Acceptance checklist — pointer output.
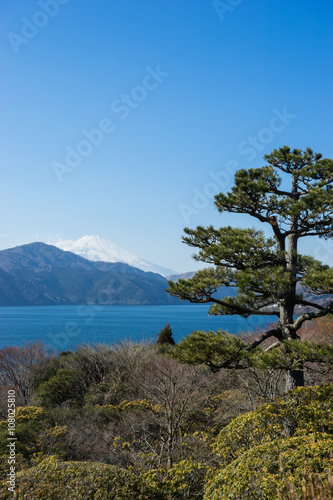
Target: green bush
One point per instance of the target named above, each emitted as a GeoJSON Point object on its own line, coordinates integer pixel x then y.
{"type": "Point", "coordinates": [184, 480]}
{"type": "Point", "coordinates": [67, 386]}
{"type": "Point", "coordinates": [263, 472]}
{"type": "Point", "coordinates": [299, 412]}
{"type": "Point", "coordinates": [37, 435]}
{"type": "Point", "coordinates": [54, 480]}
{"type": "Point", "coordinates": [30, 421]}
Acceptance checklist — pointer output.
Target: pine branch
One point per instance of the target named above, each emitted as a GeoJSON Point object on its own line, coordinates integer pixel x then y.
{"type": "Point", "coordinates": [270, 333]}
{"type": "Point", "coordinates": [309, 316]}
{"type": "Point", "coordinates": [318, 233]}
{"type": "Point", "coordinates": [242, 310]}
{"type": "Point", "coordinates": [311, 226]}
{"type": "Point", "coordinates": [310, 304]}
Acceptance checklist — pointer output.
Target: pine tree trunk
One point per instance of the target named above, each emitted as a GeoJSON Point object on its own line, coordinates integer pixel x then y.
{"type": "Point", "coordinates": [294, 378]}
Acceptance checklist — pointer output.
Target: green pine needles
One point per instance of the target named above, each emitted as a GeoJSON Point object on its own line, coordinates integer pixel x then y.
{"type": "Point", "coordinates": [268, 273]}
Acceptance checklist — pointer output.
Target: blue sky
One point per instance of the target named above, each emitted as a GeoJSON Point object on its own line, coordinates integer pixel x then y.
{"type": "Point", "coordinates": [178, 91]}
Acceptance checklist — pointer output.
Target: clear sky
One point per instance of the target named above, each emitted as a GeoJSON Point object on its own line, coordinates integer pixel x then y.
{"type": "Point", "coordinates": [123, 118]}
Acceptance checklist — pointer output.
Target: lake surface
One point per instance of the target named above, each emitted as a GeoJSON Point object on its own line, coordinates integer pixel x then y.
{"type": "Point", "coordinates": [64, 327]}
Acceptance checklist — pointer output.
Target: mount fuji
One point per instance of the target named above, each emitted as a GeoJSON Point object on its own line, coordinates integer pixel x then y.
{"type": "Point", "coordinates": [96, 248]}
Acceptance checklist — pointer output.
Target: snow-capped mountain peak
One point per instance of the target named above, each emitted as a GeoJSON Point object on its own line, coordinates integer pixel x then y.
{"type": "Point", "coordinates": [96, 248]}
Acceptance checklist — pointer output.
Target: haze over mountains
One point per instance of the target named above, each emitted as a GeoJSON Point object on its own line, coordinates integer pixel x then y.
{"type": "Point", "coordinates": [41, 274]}
{"type": "Point", "coordinates": [96, 248]}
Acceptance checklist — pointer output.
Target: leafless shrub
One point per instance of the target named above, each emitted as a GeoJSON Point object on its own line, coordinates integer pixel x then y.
{"type": "Point", "coordinates": [18, 366]}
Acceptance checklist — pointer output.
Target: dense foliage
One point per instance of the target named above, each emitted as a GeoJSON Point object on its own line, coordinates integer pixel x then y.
{"type": "Point", "coordinates": [132, 421]}
{"type": "Point", "coordinates": [260, 473]}
{"type": "Point", "coordinates": [279, 440]}
{"type": "Point", "coordinates": [301, 412]}
{"type": "Point", "coordinates": [54, 480]}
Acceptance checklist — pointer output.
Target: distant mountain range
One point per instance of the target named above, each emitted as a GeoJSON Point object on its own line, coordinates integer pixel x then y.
{"type": "Point", "coordinates": [96, 248]}
{"type": "Point", "coordinates": [41, 274]}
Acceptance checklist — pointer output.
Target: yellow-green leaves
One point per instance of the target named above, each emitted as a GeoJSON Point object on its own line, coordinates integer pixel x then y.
{"type": "Point", "coordinates": [261, 472]}
{"type": "Point", "coordinates": [261, 450]}
{"type": "Point", "coordinates": [302, 411]}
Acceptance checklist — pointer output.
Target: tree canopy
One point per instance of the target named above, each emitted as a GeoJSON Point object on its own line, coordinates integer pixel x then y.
{"type": "Point", "coordinates": [269, 275]}
{"type": "Point", "coordinates": [165, 336]}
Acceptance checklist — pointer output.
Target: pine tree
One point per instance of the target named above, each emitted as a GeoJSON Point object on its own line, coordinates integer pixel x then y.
{"type": "Point", "coordinates": [266, 271]}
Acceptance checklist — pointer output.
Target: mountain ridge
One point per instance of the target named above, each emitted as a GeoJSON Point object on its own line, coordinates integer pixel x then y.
{"type": "Point", "coordinates": [96, 248]}
{"type": "Point", "coordinates": [41, 274]}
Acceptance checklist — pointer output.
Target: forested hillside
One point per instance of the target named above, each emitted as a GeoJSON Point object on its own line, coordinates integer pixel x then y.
{"type": "Point", "coordinates": [40, 274]}
{"type": "Point", "coordinates": [130, 421]}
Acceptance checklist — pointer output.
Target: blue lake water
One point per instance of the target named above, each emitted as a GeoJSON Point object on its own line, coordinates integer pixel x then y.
{"type": "Point", "coordinates": [64, 327]}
